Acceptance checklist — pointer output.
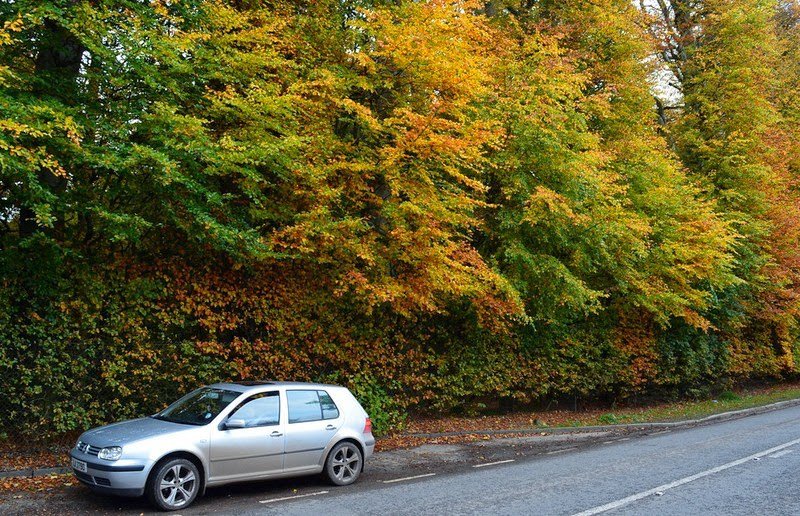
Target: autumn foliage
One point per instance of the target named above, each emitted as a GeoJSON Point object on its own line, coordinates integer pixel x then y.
{"type": "Point", "coordinates": [436, 203]}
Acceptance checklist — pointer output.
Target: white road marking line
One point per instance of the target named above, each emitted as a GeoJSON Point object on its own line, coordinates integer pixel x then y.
{"type": "Point", "coordinates": [493, 463]}
{"type": "Point", "coordinates": [780, 454]}
{"type": "Point", "coordinates": [609, 442]}
{"type": "Point", "coordinates": [644, 494]}
{"type": "Point", "coordinates": [293, 497]}
{"type": "Point", "coordinates": [662, 432]}
{"type": "Point", "coordinates": [407, 478]}
{"type": "Point", "coordinates": [625, 439]}
{"type": "Point", "coordinates": [562, 450]}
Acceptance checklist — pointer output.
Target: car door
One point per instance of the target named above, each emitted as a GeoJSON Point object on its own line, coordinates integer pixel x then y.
{"type": "Point", "coordinates": [256, 448]}
{"type": "Point", "coordinates": [313, 419]}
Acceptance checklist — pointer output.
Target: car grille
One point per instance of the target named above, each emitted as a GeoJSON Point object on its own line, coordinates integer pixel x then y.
{"type": "Point", "coordinates": [88, 479]}
{"type": "Point", "coordinates": [83, 476]}
{"type": "Point", "coordinates": [87, 448]}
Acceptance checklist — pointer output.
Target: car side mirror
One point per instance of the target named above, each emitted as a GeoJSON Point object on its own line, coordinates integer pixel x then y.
{"type": "Point", "coordinates": [234, 423]}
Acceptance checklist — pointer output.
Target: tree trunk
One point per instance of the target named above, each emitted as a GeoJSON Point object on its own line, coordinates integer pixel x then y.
{"type": "Point", "coordinates": [57, 65]}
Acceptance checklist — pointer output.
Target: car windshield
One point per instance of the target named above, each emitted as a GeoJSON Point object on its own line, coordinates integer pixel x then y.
{"type": "Point", "coordinates": [198, 407]}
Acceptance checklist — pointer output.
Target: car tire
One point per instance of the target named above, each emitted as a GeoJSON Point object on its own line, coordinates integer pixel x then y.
{"type": "Point", "coordinates": [344, 463]}
{"type": "Point", "coordinates": [174, 485]}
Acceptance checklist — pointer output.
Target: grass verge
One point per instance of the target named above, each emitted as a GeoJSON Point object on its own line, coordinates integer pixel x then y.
{"type": "Point", "coordinates": [661, 412]}
{"type": "Point", "coordinates": [687, 410]}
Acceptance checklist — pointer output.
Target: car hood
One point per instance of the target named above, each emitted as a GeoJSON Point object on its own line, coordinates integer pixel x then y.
{"type": "Point", "coordinates": [129, 431]}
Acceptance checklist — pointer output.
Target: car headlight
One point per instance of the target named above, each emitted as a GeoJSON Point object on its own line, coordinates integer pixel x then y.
{"type": "Point", "coordinates": [110, 453]}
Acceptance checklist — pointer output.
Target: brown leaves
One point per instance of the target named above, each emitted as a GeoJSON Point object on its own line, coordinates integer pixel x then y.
{"type": "Point", "coordinates": [36, 484]}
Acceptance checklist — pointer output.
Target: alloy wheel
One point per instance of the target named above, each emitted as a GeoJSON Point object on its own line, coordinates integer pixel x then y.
{"type": "Point", "coordinates": [346, 463]}
{"type": "Point", "coordinates": [177, 485]}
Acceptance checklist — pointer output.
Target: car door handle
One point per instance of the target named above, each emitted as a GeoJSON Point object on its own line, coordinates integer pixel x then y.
{"type": "Point", "coordinates": [330, 427]}
{"type": "Point", "coordinates": [276, 434]}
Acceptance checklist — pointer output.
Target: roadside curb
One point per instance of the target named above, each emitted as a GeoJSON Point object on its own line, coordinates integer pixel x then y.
{"type": "Point", "coordinates": [723, 416]}
{"type": "Point", "coordinates": [33, 472]}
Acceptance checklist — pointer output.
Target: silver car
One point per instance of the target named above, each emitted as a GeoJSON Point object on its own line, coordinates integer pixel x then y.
{"type": "Point", "coordinates": [228, 432]}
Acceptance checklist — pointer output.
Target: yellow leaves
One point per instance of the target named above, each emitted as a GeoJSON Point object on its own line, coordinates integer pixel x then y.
{"type": "Point", "coordinates": [9, 27]}
{"type": "Point", "coordinates": [440, 54]}
{"type": "Point", "coordinates": [72, 130]}
{"type": "Point", "coordinates": [694, 319]}
{"type": "Point", "coordinates": [361, 112]}
{"type": "Point", "coordinates": [225, 94]}
{"type": "Point", "coordinates": [433, 139]}
{"type": "Point", "coordinates": [545, 204]}
{"type": "Point", "coordinates": [366, 61]}
{"type": "Point", "coordinates": [39, 157]}
{"type": "Point", "coordinates": [7, 38]}
{"type": "Point", "coordinates": [444, 48]}
{"type": "Point", "coordinates": [17, 129]}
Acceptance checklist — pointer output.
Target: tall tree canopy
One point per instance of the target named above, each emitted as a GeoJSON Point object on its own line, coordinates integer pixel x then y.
{"type": "Point", "coordinates": [434, 202]}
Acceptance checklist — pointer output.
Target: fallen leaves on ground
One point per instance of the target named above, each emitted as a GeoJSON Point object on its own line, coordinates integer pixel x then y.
{"type": "Point", "coordinates": [8, 486]}
{"type": "Point", "coordinates": [17, 455]}
{"type": "Point", "coordinates": [401, 441]}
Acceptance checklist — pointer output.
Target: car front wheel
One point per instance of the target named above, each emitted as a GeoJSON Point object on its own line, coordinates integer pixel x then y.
{"type": "Point", "coordinates": [174, 485]}
{"type": "Point", "coordinates": [343, 465]}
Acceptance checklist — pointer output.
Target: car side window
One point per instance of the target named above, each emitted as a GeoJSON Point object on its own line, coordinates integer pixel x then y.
{"type": "Point", "coordinates": [329, 410]}
{"type": "Point", "coordinates": [261, 409]}
{"type": "Point", "coordinates": [310, 406]}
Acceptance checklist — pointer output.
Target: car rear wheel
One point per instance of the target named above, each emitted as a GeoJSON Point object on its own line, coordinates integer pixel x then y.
{"type": "Point", "coordinates": [174, 485]}
{"type": "Point", "coordinates": [343, 465]}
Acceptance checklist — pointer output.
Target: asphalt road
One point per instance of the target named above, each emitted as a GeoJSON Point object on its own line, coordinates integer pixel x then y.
{"type": "Point", "coordinates": [744, 466]}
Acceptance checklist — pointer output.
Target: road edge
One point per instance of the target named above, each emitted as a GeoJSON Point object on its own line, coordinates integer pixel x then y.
{"type": "Point", "coordinates": [686, 423]}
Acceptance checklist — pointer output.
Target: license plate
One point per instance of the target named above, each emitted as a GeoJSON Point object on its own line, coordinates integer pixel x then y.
{"type": "Point", "coordinates": [79, 465]}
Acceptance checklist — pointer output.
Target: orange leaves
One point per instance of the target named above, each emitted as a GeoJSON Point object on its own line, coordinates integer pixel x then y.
{"type": "Point", "coordinates": [636, 338]}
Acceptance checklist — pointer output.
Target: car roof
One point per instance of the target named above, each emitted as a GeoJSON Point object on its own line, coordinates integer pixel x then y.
{"type": "Point", "coordinates": [252, 385]}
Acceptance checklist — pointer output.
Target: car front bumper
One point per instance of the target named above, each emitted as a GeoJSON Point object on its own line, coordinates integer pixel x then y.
{"type": "Point", "coordinates": [122, 478]}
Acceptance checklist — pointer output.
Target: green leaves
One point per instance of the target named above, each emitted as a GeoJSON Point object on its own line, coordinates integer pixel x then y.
{"type": "Point", "coordinates": [471, 201]}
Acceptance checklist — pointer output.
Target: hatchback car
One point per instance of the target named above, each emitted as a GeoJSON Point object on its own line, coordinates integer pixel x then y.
{"type": "Point", "coordinates": [224, 433]}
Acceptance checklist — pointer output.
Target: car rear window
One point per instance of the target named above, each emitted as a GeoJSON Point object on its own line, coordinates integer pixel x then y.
{"type": "Point", "coordinates": [305, 405]}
